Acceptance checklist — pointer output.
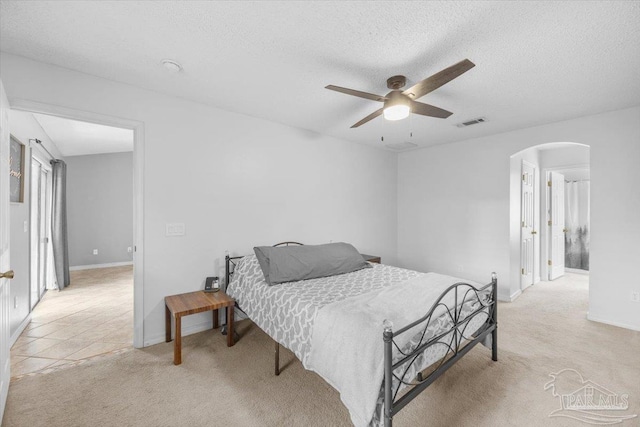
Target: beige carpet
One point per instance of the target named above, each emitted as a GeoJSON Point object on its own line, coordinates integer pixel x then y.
{"type": "Point", "coordinates": [544, 331]}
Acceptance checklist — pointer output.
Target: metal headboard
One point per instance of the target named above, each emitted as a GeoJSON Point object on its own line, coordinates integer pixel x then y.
{"type": "Point", "coordinates": [287, 244]}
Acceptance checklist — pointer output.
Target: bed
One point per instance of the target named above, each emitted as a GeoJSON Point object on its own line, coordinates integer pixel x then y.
{"type": "Point", "coordinates": [379, 335]}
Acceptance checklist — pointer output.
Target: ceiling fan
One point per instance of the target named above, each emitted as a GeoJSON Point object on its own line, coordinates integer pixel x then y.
{"type": "Point", "coordinates": [398, 104]}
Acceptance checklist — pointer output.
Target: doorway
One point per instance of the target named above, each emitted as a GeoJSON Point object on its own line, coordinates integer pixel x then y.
{"type": "Point", "coordinates": [40, 229]}
{"type": "Point", "coordinates": [540, 240]}
{"type": "Point", "coordinates": [91, 315]}
{"type": "Point", "coordinates": [137, 251]}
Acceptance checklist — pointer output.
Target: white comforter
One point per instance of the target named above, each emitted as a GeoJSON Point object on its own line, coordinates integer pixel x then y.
{"type": "Point", "coordinates": [347, 346]}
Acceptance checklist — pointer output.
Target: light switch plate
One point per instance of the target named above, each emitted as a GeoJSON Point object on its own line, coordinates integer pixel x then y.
{"type": "Point", "coordinates": [175, 229]}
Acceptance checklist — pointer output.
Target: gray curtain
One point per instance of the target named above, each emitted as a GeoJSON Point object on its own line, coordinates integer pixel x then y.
{"type": "Point", "coordinates": [59, 224]}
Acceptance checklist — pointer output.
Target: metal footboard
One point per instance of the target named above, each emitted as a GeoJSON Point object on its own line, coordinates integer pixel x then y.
{"type": "Point", "coordinates": [456, 342]}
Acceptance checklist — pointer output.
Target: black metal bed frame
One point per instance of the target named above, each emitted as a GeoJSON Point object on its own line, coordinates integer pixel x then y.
{"type": "Point", "coordinates": [232, 261]}
{"type": "Point", "coordinates": [459, 344]}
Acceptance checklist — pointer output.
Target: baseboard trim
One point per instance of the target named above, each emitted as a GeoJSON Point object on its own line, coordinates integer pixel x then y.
{"type": "Point", "coordinates": [612, 323]}
{"type": "Point", "coordinates": [18, 331]}
{"type": "Point", "coordinates": [106, 265]}
{"type": "Point", "coordinates": [509, 298]}
{"type": "Point", "coordinates": [193, 329]}
{"type": "Point", "coordinates": [515, 295]}
{"type": "Point", "coordinates": [576, 271]}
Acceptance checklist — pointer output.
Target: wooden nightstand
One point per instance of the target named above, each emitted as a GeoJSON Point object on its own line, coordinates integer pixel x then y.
{"type": "Point", "coordinates": [192, 303]}
{"type": "Point", "coordinates": [372, 258]}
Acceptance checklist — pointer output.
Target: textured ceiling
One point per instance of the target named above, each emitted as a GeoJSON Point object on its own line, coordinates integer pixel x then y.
{"type": "Point", "coordinates": [536, 62]}
{"type": "Point", "coordinates": [75, 138]}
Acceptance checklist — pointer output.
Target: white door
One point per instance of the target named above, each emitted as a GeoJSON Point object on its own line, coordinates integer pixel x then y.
{"type": "Point", "coordinates": [556, 225]}
{"type": "Point", "coordinates": [40, 222]}
{"type": "Point", "coordinates": [527, 233]}
{"type": "Point", "coordinates": [4, 249]}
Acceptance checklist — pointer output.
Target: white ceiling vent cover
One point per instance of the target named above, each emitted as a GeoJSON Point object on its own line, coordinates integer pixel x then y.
{"type": "Point", "coordinates": [471, 122]}
{"type": "Point", "coordinates": [401, 146]}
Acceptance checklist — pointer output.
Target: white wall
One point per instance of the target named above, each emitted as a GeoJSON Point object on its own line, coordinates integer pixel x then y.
{"type": "Point", "coordinates": [453, 207]}
{"type": "Point", "coordinates": [563, 157]}
{"type": "Point", "coordinates": [24, 127]}
{"type": "Point", "coordinates": [100, 208]}
{"type": "Point", "coordinates": [235, 181]}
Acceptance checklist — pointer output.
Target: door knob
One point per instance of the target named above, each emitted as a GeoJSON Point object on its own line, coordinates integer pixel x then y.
{"type": "Point", "coordinates": [7, 275]}
{"type": "Point", "coordinates": [564, 230]}
{"type": "Point", "coordinates": [534, 232]}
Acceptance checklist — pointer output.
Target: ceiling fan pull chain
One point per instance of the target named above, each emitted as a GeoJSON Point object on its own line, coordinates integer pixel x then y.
{"type": "Point", "coordinates": [410, 125]}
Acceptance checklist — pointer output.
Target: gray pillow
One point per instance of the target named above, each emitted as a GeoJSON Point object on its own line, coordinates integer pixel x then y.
{"type": "Point", "coordinates": [262, 253]}
{"type": "Point", "coordinates": [293, 263]}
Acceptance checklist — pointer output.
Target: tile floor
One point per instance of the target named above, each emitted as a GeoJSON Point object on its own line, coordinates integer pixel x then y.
{"type": "Point", "coordinates": [91, 317]}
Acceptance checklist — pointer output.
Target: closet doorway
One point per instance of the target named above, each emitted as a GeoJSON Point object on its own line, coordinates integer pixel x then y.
{"type": "Point", "coordinates": [40, 245]}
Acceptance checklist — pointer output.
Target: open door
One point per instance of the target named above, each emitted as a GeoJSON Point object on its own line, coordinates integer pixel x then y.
{"type": "Point", "coordinates": [40, 228]}
{"type": "Point", "coordinates": [556, 225]}
{"type": "Point", "coordinates": [5, 273]}
{"type": "Point", "coordinates": [527, 234]}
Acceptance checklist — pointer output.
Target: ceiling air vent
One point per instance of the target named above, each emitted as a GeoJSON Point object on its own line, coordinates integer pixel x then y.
{"type": "Point", "coordinates": [471, 122]}
{"type": "Point", "coordinates": [401, 146]}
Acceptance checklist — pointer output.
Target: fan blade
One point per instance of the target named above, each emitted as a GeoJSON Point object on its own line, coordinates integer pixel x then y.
{"type": "Point", "coordinates": [369, 117]}
{"type": "Point", "coordinates": [357, 93]}
{"type": "Point", "coordinates": [429, 110]}
{"type": "Point", "coordinates": [439, 79]}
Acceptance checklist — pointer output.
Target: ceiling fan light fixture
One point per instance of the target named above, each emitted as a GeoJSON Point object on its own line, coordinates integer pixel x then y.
{"type": "Point", "coordinates": [396, 112]}
{"type": "Point", "coordinates": [396, 107]}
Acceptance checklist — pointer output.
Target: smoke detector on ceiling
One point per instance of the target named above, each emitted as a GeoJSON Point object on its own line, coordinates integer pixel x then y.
{"type": "Point", "coordinates": [171, 65]}
{"type": "Point", "coordinates": [471, 122]}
